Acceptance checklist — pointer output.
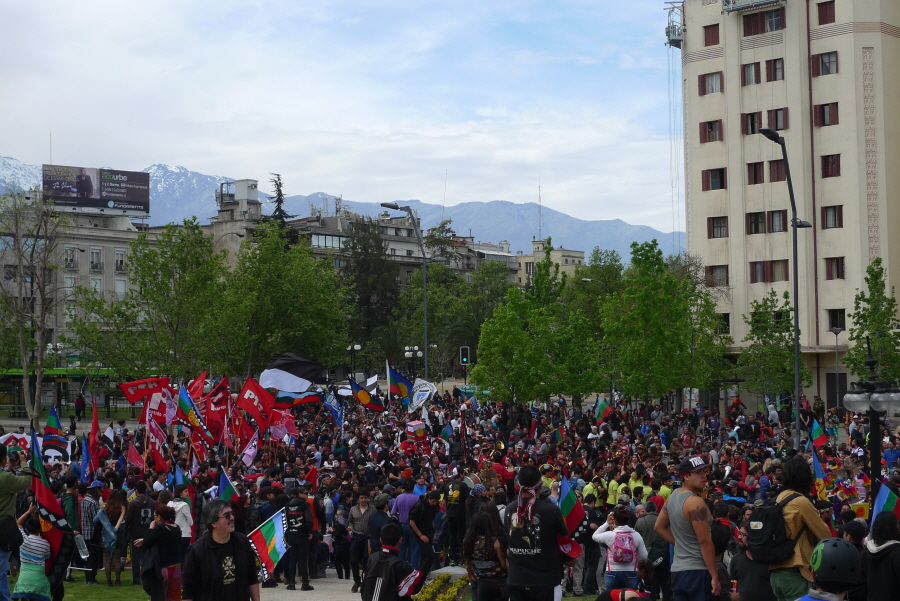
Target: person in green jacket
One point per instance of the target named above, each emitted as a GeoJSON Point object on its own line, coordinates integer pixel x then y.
{"type": "Point", "coordinates": [10, 485]}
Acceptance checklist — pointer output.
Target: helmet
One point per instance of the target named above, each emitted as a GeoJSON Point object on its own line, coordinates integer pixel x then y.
{"type": "Point", "coordinates": [835, 560]}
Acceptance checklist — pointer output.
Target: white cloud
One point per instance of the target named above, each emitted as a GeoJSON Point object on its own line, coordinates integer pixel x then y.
{"type": "Point", "coordinates": [373, 100]}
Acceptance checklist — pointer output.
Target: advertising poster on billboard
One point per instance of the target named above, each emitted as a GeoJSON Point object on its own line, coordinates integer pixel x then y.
{"type": "Point", "coordinates": [96, 190]}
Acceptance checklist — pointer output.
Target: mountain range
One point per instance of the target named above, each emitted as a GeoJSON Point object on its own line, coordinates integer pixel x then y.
{"type": "Point", "coordinates": [177, 193]}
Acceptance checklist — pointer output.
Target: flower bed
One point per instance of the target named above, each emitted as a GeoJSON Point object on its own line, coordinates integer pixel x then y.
{"type": "Point", "coordinates": [432, 590]}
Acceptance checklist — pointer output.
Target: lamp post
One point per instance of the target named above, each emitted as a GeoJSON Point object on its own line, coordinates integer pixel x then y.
{"type": "Point", "coordinates": [352, 349]}
{"type": "Point", "coordinates": [239, 235]}
{"type": "Point", "coordinates": [411, 353]}
{"type": "Point", "coordinates": [873, 397]}
{"type": "Point", "coordinates": [837, 381]}
{"type": "Point", "coordinates": [408, 210]}
{"type": "Point", "coordinates": [796, 223]}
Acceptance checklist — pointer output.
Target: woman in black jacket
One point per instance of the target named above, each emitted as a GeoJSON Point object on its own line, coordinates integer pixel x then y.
{"type": "Point", "coordinates": [161, 572]}
{"type": "Point", "coordinates": [881, 559]}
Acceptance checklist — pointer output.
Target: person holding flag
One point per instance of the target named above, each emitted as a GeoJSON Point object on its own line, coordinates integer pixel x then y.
{"type": "Point", "coordinates": [11, 483]}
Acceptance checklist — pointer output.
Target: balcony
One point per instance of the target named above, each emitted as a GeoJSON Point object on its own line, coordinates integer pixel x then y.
{"type": "Point", "coordinates": [121, 267]}
{"type": "Point", "coordinates": [97, 266]}
{"type": "Point", "coordinates": [744, 5]}
{"type": "Point", "coordinates": [71, 264]}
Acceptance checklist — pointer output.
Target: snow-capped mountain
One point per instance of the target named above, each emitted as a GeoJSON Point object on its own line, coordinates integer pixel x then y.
{"type": "Point", "coordinates": [177, 193]}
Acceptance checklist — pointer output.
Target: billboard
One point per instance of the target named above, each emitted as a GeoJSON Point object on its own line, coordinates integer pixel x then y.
{"type": "Point", "coordinates": [97, 190]}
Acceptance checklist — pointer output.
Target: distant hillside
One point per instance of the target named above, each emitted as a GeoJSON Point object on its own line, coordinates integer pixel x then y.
{"type": "Point", "coordinates": [177, 193]}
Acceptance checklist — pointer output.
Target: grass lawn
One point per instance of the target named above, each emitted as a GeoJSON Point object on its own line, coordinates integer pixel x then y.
{"type": "Point", "coordinates": [78, 591]}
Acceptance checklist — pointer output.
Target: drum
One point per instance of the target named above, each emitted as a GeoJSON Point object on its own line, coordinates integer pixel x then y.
{"type": "Point", "coordinates": [472, 480]}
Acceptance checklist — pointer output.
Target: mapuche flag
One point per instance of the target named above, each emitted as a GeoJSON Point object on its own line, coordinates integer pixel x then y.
{"type": "Point", "coordinates": [269, 544]}
{"type": "Point", "coordinates": [886, 501]}
{"type": "Point", "coordinates": [286, 400]}
{"type": "Point", "coordinates": [604, 410]}
{"type": "Point", "coordinates": [819, 438]}
{"type": "Point", "coordinates": [54, 527]}
{"type": "Point", "coordinates": [819, 479]}
{"type": "Point", "coordinates": [365, 399]}
{"type": "Point", "coordinates": [256, 401]}
{"type": "Point", "coordinates": [571, 508]}
{"type": "Point", "coordinates": [53, 427]}
{"type": "Point", "coordinates": [227, 489]}
{"type": "Point", "coordinates": [187, 414]}
{"type": "Point", "coordinates": [397, 384]}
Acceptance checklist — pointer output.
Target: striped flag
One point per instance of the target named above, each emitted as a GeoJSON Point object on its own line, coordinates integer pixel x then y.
{"type": "Point", "coordinates": [819, 438]}
{"type": "Point", "coordinates": [397, 384]}
{"type": "Point", "coordinates": [53, 427]}
{"type": "Point", "coordinates": [571, 508]}
{"type": "Point", "coordinates": [54, 527]}
{"type": "Point", "coordinates": [886, 501]}
{"type": "Point", "coordinates": [604, 410]}
{"type": "Point", "coordinates": [269, 544]}
{"type": "Point", "coordinates": [365, 398]}
{"type": "Point", "coordinates": [559, 434]}
{"type": "Point", "coordinates": [447, 432]}
{"type": "Point", "coordinates": [227, 490]}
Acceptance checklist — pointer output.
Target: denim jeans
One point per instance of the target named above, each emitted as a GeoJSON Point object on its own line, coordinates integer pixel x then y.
{"type": "Point", "coordinates": [4, 578]}
{"type": "Point", "coordinates": [624, 579]}
{"type": "Point", "coordinates": [408, 544]}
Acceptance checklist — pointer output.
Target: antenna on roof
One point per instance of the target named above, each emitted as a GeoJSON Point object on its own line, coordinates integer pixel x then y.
{"type": "Point", "coordinates": [445, 195]}
{"type": "Point", "coordinates": [540, 211]}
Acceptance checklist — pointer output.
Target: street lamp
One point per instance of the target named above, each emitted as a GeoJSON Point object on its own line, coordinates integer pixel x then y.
{"type": "Point", "coordinates": [239, 235]}
{"type": "Point", "coordinates": [796, 223]}
{"type": "Point", "coordinates": [837, 388]}
{"type": "Point", "coordinates": [408, 210]}
{"type": "Point", "coordinates": [411, 353]}
{"type": "Point", "coordinates": [352, 349]}
{"type": "Point", "coordinates": [874, 397]}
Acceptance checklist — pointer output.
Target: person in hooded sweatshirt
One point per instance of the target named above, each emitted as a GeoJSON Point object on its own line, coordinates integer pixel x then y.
{"type": "Point", "coordinates": [881, 559]}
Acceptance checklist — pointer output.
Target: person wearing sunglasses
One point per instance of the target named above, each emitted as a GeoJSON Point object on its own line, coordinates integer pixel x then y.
{"type": "Point", "coordinates": [221, 565]}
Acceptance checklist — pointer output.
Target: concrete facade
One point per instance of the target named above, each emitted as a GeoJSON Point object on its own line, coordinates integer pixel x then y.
{"type": "Point", "coordinates": [567, 259]}
{"type": "Point", "coordinates": [746, 57]}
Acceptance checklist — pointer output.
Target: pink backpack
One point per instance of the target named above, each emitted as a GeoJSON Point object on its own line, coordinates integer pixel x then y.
{"type": "Point", "coordinates": [623, 550]}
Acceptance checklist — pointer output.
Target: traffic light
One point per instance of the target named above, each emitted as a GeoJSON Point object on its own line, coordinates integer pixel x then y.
{"type": "Point", "coordinates": [464, 355]}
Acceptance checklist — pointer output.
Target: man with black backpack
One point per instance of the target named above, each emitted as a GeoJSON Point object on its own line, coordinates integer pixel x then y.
{"type": "Point", "coordinates": [299, 535]}
{"type": "Point", "coordinates": [784, 534]}
{"type": "Point", "coordinates": [389, 578]}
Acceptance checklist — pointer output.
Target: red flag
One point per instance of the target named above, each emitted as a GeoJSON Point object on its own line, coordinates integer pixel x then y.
{"type": "Point", "coordinates": [155, 406]}
{"type": "Point", "coordinates": [257, 401]}
{"type": "Point", "coordinates": [94, 440]}
{"type": "Point", "coordinates": [156, 440]}
{"type": "Point", "coordinates": [198, 446]}
{"type": "Point", "coordinates": [283, 419]}
{"type": "Point", "coordinates": [141, 389]}
{"type": "Point", "coordinates": [195, 388]}
{"type": "Point", "coordinates": [134, 458]}
{"type": "Point", "coordinates": [214, 406]}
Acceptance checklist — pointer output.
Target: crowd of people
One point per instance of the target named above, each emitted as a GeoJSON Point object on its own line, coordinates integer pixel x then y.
{"type": "Point", "coordinates": [674, 505]}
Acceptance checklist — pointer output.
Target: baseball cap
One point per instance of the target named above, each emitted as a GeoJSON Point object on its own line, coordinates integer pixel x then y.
{"type": "Point", "coordinates": [95, 484]}
{"type": "Point", "coordinates": [381, 500]}
{"type": "Point", "coordinates": [692, 464]}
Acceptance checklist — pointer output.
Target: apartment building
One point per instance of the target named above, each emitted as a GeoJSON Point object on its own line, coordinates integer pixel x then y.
{"type": "Point", "coordinates": [824, 75]}
{"type": "Point", "coordinates": [567, 259]}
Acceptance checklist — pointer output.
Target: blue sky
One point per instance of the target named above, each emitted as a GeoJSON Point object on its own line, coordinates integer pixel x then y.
{"type": "Point", "coordinates": [373, 100]}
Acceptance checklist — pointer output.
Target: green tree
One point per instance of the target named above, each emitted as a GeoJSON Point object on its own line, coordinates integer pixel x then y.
{"type": "Point", "coordinates": [661, 328]}
{"type": "Point", "coordinates": [278, 299]}
{"type": "Point", "coordinates": [163, 322]}
{"type": "Point", "coordinates": [874, 318]}
{"type": "Point", "coordinates": [601, 276]}
{"type": "Point", "coordinates": [439, 240]}
{"type": "Point", "coordinates": [279, 215]}
{"type": "Point", "coordinates": [371, 280]}
{"type": "Point", "coordinates": [767, 364]}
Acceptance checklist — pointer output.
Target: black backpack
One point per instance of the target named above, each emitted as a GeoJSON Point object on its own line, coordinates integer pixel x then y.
{"type": "Point", "coordinates": [252, 518]}
{"type": "Point", "coordinates": [768, 539]}
{"type": "Point", "coordinates": [379, 583]}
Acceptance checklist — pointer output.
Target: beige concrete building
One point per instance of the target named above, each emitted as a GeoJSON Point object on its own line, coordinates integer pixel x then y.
{"type": "Point", "coordinates": [567, 259]}
{"type": "Point", "coordinates": [825, 75]}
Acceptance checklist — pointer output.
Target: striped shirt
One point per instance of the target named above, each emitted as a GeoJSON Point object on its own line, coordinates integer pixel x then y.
{"type": "Point", "coordinates": [89, 508]}
{"type": "Point", "coordinates": [34, 550]}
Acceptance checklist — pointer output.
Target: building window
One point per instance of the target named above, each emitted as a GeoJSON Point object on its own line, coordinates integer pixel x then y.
{"type": "Point", "coordinates": [711, 131]}
{"type": "Point", "coordinates": [756, 223]}
{"type": "Point", "coordinates": [336, 263]}
{"type": "Point", "coordinates": [776, 171]}
{"type": "Point", "coordinates": [713, 179]}
{"type": "Point", "coordinates": [832, 217]}
{"type": "Point", "coordinates": [769, 271]}
{"type": "Point", "coordinates": [775, 69]}
{"type": "Point", "coordinates": [826, 12]}
{"type": "Point", "coordinates": [755, 174]}
{"type": "Point", "coordinates": [409, 253]}
{"type": "Point", "coordinates": [837, 318]}
{"type": "Point", "coordinates": [825, 114]}
{"type": "Point", "coordinates": [724, 324]}
{"type": "Point", "coordinates": [763, 22]}
{"type": "Point", "coordinates": [831, 165]}
{"type": "Point", "coordinates": [777, 221]}
{"type": "Point", "coordinates": [834, 268]}
{"type": "Point", "coordinates": [824, 64]}
{"type": "Point", "coordinates": [717, 227]}
{"type": "Point", "coordinates": [751, 123]}
{"type": "Point", "coordinates": [96, 259]}
{"type": "Point", "coordinates": [778, 119]}
{"type": "Point", "coordinates": [120, 259]}
{"type": "Point", "coordinates": [97, 284]}
{"type": "Point", "coordinates": [69, 257]}
{"type": "Point", "coordinates": [121, 286]}
{"type": "Point", "coordinates": [393, 251]}
{"type": "Point", "coordinates": [710, 83]}
{"type": "Point", "coordinates": [711, 35]}
{"type": "Point", "coordinates": [69, 285]}
{"type": "Point", "coordinates": [716, 275]}
{"type": "Point", "coordinates": [750, 74]}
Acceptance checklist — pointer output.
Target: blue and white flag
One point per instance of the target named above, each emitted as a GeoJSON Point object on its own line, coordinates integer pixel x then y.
{"type": "Point", "coordinates": [336, 408]}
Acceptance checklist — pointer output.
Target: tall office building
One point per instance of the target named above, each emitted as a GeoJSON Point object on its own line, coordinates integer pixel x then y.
{"type": "Point", "coordinates": [826, 76]}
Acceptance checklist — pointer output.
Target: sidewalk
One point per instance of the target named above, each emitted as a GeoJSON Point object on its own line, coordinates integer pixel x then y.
{"type": "Point", "coordinates": [327, 589]}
